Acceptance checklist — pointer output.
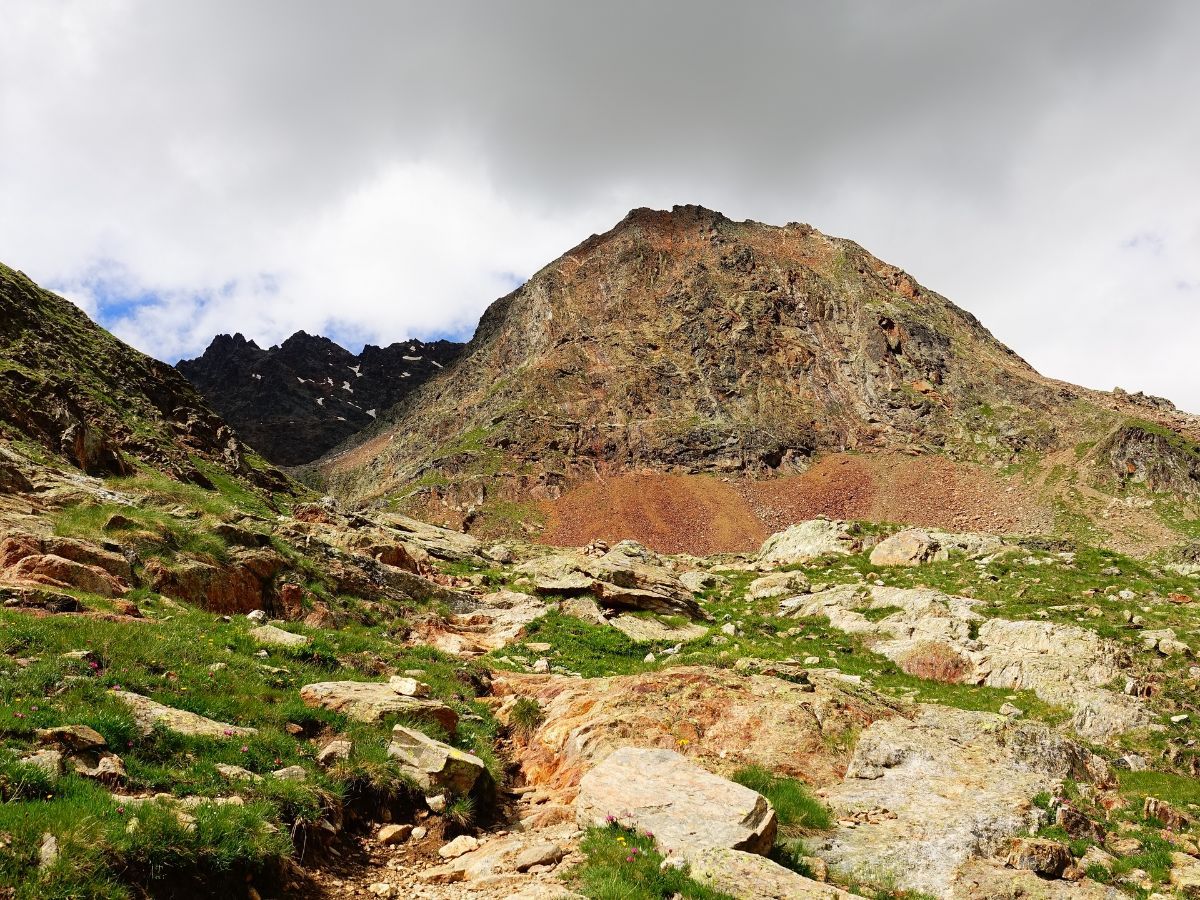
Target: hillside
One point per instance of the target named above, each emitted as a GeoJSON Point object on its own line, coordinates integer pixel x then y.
{"type": "Point", "coordinates": [684, 343]}
{"type": "Point", "coordinates": [213, 683]}
{"type": "Point", "coordinates": [295, 401]}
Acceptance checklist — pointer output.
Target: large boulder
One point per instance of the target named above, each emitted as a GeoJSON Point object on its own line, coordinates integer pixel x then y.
{"type": "Point", "coordinates": [57, 571]}
{"type": "Point", "coordinates": [777, 584]}
{"type": "Point", "coordinates": [806, 541]}
{"type": "Point", "coordinates": [685, 807]}
{"type": "Point", "coordinates": [905, 548]}
{"type": "Point", "coordinates": [238, 587]}
{"type": "Point", "coordinates": [371, 701]}
{"type": "Point", "coordinates": [437, 766]}
{"type": "Point", "coordinates": [271, 634]}
{"type": "Point", "coordinates": [618, 580]}
{"type": "Point", "coordinates": [150, 714]}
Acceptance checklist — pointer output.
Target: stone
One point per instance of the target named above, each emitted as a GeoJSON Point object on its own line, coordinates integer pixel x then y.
{"type": "Point", "coordinates": [541, 665]}
{"type": "Point", "coordinates": [1049, 859]}
{"type": "Point", "coordinates": [48, 851]}
{"type": "Point", "coordinates": [149, 713]}
{"type": "Point", "coordinates": [57, 571]}
{"type": "Point", "coordinates": [651, 628]}
{"type": "Point", "coordinates": [806, 541]}
{"type": "Point", "coordinates": [686, 807]}
{"type": "Point", "coordinates": [380, 889]}
{"type": "Point", "coordinates": [435, 764]}
{"type": "Point", "coordinates": [370, 701]}
{"type": "Point", "coordinates": [1173, 819]}
{"type": "Point", "coordinates": [911, 547]}
{"type": "Point", "coordinates": [1185, 874]}
{"type": "Point", "coordinates": [543, 853]}
{"type": "Point", "coordinates": [409, 687]}
{"type": "Point", "coordinates": [698, 582]}
{"type": "Point", "coordinates": [236, 773]}
{"type": "Point", "coordinates": [749, 876]}
{"type": "Point", "coordinates": [390, 835]}
{"type": "Point", "coordinates": [778, 584]}
{"type": "Point", "coordinates": [419, 833]}
{"type": "Point", "coordinates": [49, 761]}
{"type": "Point", "coordinates": [73, 738]}
{"type": "Point", "coordinates": [269, 634]}
{"type": "Point", "coordinates": [258, 616]}
{"type": "Point", "coordinates": [335, 751]}
{"type": "Point", "coordinates": [291, 773]}
{"type": "Point", "coordinates": [462, 844]}
{"type": "Point", "coordinates": [105, 767]}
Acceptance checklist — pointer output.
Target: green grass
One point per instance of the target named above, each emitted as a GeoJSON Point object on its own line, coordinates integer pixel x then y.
{"type": "Point", "coordinates": [795, 807]}
{"type": "Point", "coordinates": [622, 864]}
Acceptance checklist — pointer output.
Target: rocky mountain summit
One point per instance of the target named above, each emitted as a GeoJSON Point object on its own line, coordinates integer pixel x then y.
{"type": "Point", "coordinates": [295, 401]}
{"type": "Point", "coordinates": [682, 342]}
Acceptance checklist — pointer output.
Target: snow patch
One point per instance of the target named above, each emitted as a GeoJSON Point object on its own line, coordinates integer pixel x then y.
{"type": "Point", "coordinates": [346, 387]}
{"type": "Point", "coordinates": [371, 413]}
{"type": "Point", "coordinates": [256, 376]}
{"type": "Point", "coordinates": [436, 363]}
{"type": "Point", "coordinates": [320, 401]}
{"type": "Point", "coordinates": [411, 358]}
{"type": "Point", "coordinates": [405, 374]}
{"type": "Point", "coordinates": [355, 370]}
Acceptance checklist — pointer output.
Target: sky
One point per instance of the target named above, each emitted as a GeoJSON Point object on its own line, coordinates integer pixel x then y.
{"type": "Point", "coordinates": [379, 170]}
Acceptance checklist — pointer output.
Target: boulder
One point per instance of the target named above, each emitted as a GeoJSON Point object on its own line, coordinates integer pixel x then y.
{"type": "Point", "coordinates": [149, 713]}
{"type": "Point", "coordinates": [650, 628]}
{"type": "Point", "coordinates": [1049, 859]}
{"type": "Point", "coordinates": [57, 571]}
{"type": "Point", "coordinates": [616, 579]}
{"type": "Point", "coordinates": [49, 761]}
{"type": "Point", "coordinates": [778, 584]}
{"type": "Point", "coordinates": [1185, 874]}
{"type": "Point", "coordinates": [370, 701]}
{"type": "Point", "coordinates": [335, 751]}
{"type": "Point", "coordinates": [699, 581]}
{"type": "Point", "coordinates": [806, 541]}
{"type": "Point", "coordinates": [905, 548]}
{"type": "Point", "coordinates": [269, 634]}
{"type": "Point", "coordinates": [749, 876]}
{"type": "Point", "coordinates": [436, 765]}
{"type": "Point", "coordinates": [687, 808]}
{"type": "Point", "coordinates": [227, 589]}
{"type": "Point", "coordinates": [72, 738]}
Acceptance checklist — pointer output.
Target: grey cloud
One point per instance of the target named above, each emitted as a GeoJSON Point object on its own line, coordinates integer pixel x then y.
{"type": "Point", "coordinates": [390, 162]}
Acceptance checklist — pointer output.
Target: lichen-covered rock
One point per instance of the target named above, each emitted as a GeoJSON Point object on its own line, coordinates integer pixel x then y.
{"type": "Point", "coordinates": [271, 634]}
{"type": "Point", "coordinates": [437, 765]}
{"type": "Point", "coordinates": [1046, 858]}
{"type": "Point", "coordinates": [687, 808]}
{"type": "Point", "coordinates": [150, 714]}
{"type": "Point", "coordinates": [748, 876]}
{"type": "Point", "coordinates": [806, 541]}
{"type": "Point", "coordinates": [778, 584]}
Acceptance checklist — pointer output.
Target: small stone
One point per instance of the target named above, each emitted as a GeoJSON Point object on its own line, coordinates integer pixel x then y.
{"type": "Point", "coordinates": [542, 854]}
{"type": "Point", "coordinates": [409, 687]}
{"type": "Point", "coordinates": [812, 660]}
{"type": "Point", "coordinates": [269, 634]}
{"type": "Point", "coordinates": [729, 629]}
{"type": "Point", "coordinates": [541, 666]}
{"type": "Point", "coordinates": [48, 852]}
{"type": "Point", "coordinates": [257, 616]}
{"type": "Point", "coordinates": [1179, 719]}
{"type": "Point", "coordinates": [457, 847]}
{"type": "Point", "coordinates": [76, 738]}
{"type": "Point", "coordinates": [381, 889]}
{"type": "Point", "coordinates": [648, 658]}
{"type": "Point", "coordinates": [390, 835]}
{"type": "Point", "coordinates": [291, 773]}
{"type": "Point", "coordinates": [1013, 712]}
{"type": "Point", "coordinates": [236, 773]}
{"type": "Point", "coordinates": [419, 833]}
{"type": "Point", "coordinates": [334, 751]}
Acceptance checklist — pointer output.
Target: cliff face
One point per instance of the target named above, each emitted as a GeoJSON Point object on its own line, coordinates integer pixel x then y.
{"type": "Point", "coordinates": [295, 401]}
{"type": "Point", "coordinates": [73, 390]}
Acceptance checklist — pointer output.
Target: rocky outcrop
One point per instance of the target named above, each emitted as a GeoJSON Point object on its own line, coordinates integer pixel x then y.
{"type": "Point", "coordinates": [923, 797]}
{"type": "Point", "coordinates": [722, 719]}
{"type": "Point", "coordinates": [150, 714]}
{"type": "Point", "coordinates": [749, 876]}
{"type": "Point", "coordinates": [915, 546]}
{"type": "Point", "coordinates": [295, 401]}
{"type": "Point", "coordinates": [686, 808]}
{"type": "Point", "coordinates": [1063, 664]}
{"type": "Point", "coordinates": [239, 586]}
{"type": "Point", "coordinates": [438, 766]}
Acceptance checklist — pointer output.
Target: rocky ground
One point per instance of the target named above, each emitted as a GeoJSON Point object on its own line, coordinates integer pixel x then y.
{"type": "Point", "coordinates": [204, 694]}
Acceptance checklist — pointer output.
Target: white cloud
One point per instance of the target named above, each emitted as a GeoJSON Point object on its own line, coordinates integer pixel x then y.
{"type": "Point", "coordinates": [387, 169]}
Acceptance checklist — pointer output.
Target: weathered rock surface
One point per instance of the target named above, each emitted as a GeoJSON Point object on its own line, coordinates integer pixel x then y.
{"type": "Point", "coordinates": [923, 797]}
{"type": "Point", "coordinates": [271, 634]}
{"type": "Point", "coordinates": [777, 584]}
{"type": "Point", "coordinates": [915, 546]}
{"type": "Point", "coordinates": [149, 713]}
{"type": "Point", "coordinates": [806, 541]}
{"type": "Point", "coordinates": [370, 701]}
{"type": "Point", "coordinates": [749, 876]}
{"type": "Point", "coordinates": [722, 719]}
{"type": "Point", "coordinates": [492, 621]}
{"type": "Point", "coordinates": [436, 765]}
{"type": "Point", "coordinates": [687, 808]}
{"type": "Point", "coordinates": [1062, 664]}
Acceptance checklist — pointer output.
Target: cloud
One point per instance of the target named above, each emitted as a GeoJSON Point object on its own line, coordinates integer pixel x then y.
{"type": "Point", "coordinates": [385, 169]}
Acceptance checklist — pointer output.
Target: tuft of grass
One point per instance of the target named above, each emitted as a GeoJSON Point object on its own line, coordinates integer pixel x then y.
{"type": "Point", "coordinates": [795, 807]}
{"type": "Point", "coordinates": [622, 864]}
{"type": "Point", "coordinates": [461, 812]}
{"type": "Point", "coordinates": [525, 716]}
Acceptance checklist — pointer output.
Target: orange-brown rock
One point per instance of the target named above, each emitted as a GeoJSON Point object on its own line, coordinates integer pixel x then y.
{"type": "Point", "coordinates": [722, 719]}
{"type": "Point", "coordinates": [55, 571]}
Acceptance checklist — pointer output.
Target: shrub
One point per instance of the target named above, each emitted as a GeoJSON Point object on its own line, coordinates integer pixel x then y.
{"type": "Point", "coordinates": [525, 716]}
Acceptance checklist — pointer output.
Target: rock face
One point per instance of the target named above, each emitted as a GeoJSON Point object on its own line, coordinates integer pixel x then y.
{"type": "Point", "coordinates": [73, 389]}
{"type": "Point", "coordinates": [686, 808]}
{"type": "Point", "coordinates": [925, 796]}
{"type": "Point", "coordinates": [299, 399]}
